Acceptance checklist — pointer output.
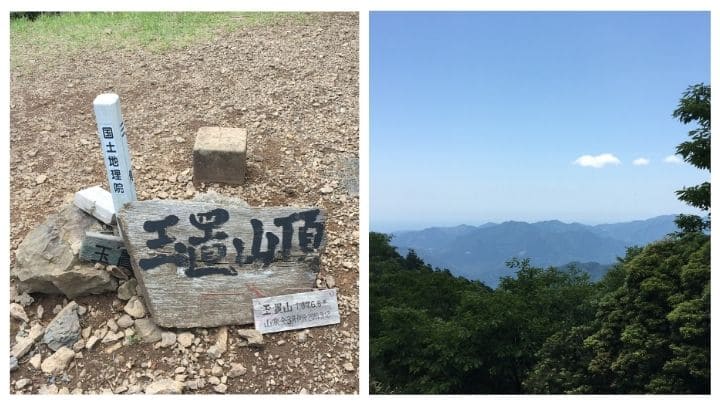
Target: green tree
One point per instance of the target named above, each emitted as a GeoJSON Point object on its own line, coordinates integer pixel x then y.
{"type": "Point", "coordinates": [695, 107]}
{"type": "Point", "coordinates": [651, 329]}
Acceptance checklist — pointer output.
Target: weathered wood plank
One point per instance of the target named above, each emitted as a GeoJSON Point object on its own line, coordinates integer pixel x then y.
{"type": "Point", "coordinates": [104, 248]}
{"type": "Point", "coordinates": [97, 202]}
{"type": "Point", "coordinates": [201, 263]}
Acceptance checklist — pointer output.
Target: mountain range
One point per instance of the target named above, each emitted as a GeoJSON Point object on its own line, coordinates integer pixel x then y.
{"type": "Point", "coordinates": [480, 252]}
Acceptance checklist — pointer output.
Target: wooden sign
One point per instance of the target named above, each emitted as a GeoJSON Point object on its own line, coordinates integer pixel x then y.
{"type": "Point", "coordinates": [296, 311]}
{"type": "Point", "coordinates": [104, 248]}
{"type": "Point", "coordinates": [200, 264]}
{"type": "Point", "coordinates": [113, 141]}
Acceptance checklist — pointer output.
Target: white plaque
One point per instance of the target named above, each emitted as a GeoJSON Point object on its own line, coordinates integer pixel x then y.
{"type": "Point", "coordinates": [296, 311]}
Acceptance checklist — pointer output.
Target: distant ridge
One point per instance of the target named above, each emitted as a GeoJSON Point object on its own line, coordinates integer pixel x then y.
{"type": "Point", "coordinates": [480, 252]}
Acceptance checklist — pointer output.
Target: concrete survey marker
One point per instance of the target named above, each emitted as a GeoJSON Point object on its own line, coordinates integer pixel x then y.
{"type": "Point", "coordinates": [113, 140]}
{"type": "Point", "coordinates": [200, 264]}
{"type": "Point", "coordinates": [296, 311]}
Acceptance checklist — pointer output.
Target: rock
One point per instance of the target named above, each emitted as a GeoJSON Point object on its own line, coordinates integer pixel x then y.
{"type": "Point", "coordinates": [113, 337]}
{"type": "Point", "coordinates": [216, 351]}
{"type": "Point", "coordinates": [192, 384]}
{"type": "Point", "coordinates": [125, 321]}
{"type": "Point", "coordinates": [236, 370]}
{"type": "Point", "coordinates": [113, 347]}
{"type": "Point", "coordinates": [167, 339]}
{"type": "Point", "coordinates": [100, 333]}
{"type": "Point", "coordinates": [86, 332]}
{"type": "Point", "coordinates": [91, 342]}
{"type": "Point", "coordinates": [118, 272]}
{"type": "Point", "coordinates": [147, 330]}
{"type": "Point", "coordinates": [24, 299]}
{"type": "Point", "coordinates": [40, 311]}
{"type": "Point", "coordinates": [165, 386]}
{"type": "Point", "coordinates": [13, 363]}
{"type": "Point", "coordinates": [47, 259]}
{"type": "Point", "coordinates": [17, 312]}
{"type": "Point", "coordinates": [213, 380]}
{"type": "Point", "coordinates": [127, 290]}
{"type": "Point", "coordinates": [64, 329]}
{"type": "Point", "coordinates": [79, 345]}
{"type": "Point", "coordinates": [23, 345]}
{"type": "Point", "coordinates": [185, 339]}
{"type": "Point", "coordinates": [22, 383]}
{"type": "Point", "coordinates": [82, 310]}
{"type": "Point", "coordinates": [51, 389]}
{"type": "Point", "coordinates": [220, 388]}
{"type": "Point", "coordinates": [135, 308]}
{"type": "Point", "coordinates": [40, 179]}
{"type": "Point", "coordinates": [112, 325]}
{"type": "Point", "coordinates": [36, 360]}
{"type": "Point", "coordinates": [330, 281]}
{"type": "Point", "coordinates": [348, 367]}
{"type": "Point", "coordinates": [326, 190]}
{"type": "Point", "coordinates": [301, 336]}
{"type": "Point", "coordinates": [303, 391]}
{"type": "Point", "coordinates": [56, 363]}
{"type": "Point", "coordinates": [254, 338]}
{"type": "Point", "coordinates": [216, 370]}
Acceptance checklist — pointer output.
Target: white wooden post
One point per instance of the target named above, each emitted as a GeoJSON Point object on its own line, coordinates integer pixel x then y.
{"type": "Point", "coordinates": [113, 141]}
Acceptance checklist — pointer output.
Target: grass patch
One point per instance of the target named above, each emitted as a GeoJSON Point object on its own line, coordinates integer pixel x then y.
{"type": "Point", "coordinates": [157, 31]}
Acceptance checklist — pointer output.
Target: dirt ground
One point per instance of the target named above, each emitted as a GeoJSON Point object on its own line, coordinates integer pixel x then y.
{"type": "Point", "coordinates": [294, 85]}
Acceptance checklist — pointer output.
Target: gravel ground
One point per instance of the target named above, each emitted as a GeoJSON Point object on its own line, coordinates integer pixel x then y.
{"type": "Point", "coordinates": [293, 84]}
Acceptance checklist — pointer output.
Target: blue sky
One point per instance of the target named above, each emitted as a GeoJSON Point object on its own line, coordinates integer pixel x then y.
{"type": "Point", "coordinates": [478, 117]}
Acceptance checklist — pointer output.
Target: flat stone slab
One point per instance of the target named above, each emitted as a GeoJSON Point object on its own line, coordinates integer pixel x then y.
{"type": "Point", "coordinates": [219, 155]}
{"type": "Point", "coordinates": [200, 264]}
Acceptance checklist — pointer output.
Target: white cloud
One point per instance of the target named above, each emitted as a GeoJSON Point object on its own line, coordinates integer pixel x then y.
{"type": "Point", "coordinates": [674, 159]}
{"type": "Point", "coordinates": [597, 161]}
{"type": "Point", "coordinates": [641, 162]}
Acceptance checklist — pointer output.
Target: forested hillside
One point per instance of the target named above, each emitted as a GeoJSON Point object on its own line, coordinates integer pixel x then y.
{"type": "Point", "coordinates": [644, 328]}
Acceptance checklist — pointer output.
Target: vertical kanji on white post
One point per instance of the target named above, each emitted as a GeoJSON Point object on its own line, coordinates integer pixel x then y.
{"type": "Point", "coordinates": [113, 141]}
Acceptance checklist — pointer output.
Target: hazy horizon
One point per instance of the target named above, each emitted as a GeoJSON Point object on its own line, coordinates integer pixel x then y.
{"type": "Point", "coordinates": [398, 226]}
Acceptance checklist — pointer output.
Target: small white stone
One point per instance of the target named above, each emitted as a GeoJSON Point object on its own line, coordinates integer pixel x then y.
{"type": "Point", "coordinates": [135, 308]}
{"type": "Point", "coordinates": [17, 312]}
{"type": "Point", "coordinates": [57, 362]}
{"type": "Point", "coordinates": [91, 342]}
{"type": "Point", "coordinates": [36, 360]}
{"type": "Point", "coordinates": [21, 383]}
{"type": "Point", "coordinates": [185, 339]}
{"type": "Point", "coordinates": [236, 370]}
